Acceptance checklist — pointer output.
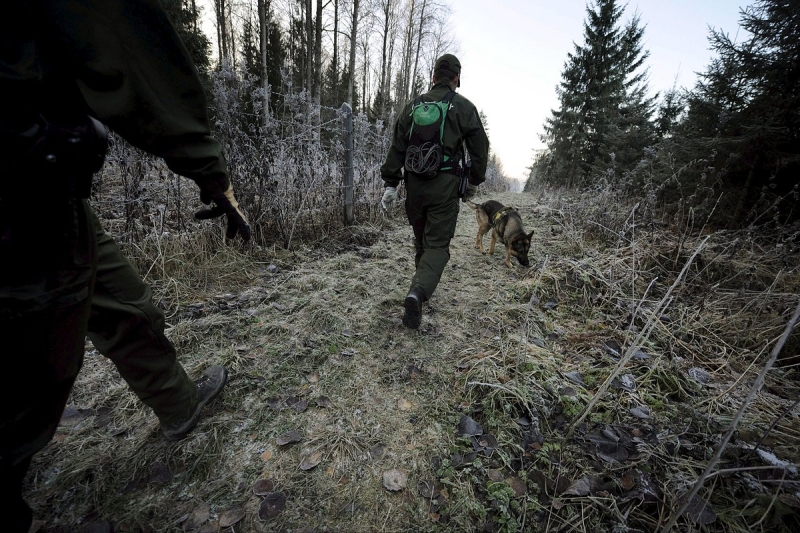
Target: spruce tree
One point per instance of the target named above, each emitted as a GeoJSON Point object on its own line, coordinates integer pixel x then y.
{"type": "Point", "coordinates": [743, 122]}
{"type": "Point", "coordinates": [185, 17]}
{"type": "Point", "coordinates": [604, 119]}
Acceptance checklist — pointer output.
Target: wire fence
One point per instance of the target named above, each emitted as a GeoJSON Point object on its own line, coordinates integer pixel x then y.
{"type": "Point", "coordinates": [287, 166]}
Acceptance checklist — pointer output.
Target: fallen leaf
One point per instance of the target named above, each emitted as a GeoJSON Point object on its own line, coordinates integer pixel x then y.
{"type": "Point", "coordinates": [272, 506]}
{"type": "Point", "coordinates": [298, 404]}
{"type": "Point", "coordinates": [275, 403]}
{"type": "Point", "coordinates": [208, 527]}
{"type": "Point", "coordinates": [395, 479]}
{"type": "Point", "coordinates": [349, 509]}
{"type": "Point", "coordinates": [263, 486]}
{"type": "Point", "coordinates": [467, 427]}
{"type": "Point", "coordinates": [518, 486]}
{"type": "Point", "coordinates": [197, 517]}
{"type": "Point", "coordinates": [289, 437]}
{"type": "Point", "coordinates": [579, 487]}
{"type": "Point", "coordinates": [323, 401]}
{"type": "Point", "coordinates": [404, 405]}
{"type": "Point", "coordinates": [427, 489]}
{"type": "Point", "coordinates": [160, 473]}
{"type": "Point", "coordinates": [378, 452]}
{"type": "Point", "coordinates": [700, 512]}
{"type": "Point", "coordinates": [699, 375]}
{"type": "Point", "coordinates": [628, 480]}
{"type": "Point", "coordinates": [310, 461]}
{"type": "Point", "coordinates": [495, 475]}
{"type": "Point", "coordinates": [230, 517]}
{"type": "Point", "coordinates": [266, 456]}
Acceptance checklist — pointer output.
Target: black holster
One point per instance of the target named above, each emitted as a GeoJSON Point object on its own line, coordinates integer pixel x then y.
{"type": "Point", "coordinates": [53, 160]}
{"type": "Point", "coordinates": [462, 184]}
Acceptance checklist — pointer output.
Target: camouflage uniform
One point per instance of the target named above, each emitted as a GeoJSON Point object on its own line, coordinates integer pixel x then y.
{"type": "Point", "coordinates": [61, 276]}
{"type": "Point", "coordinates": [432, 203]}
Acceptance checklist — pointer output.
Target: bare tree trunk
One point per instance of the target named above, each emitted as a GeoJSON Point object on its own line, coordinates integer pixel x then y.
{"type": "Point", "coordinates": [194, 16]}
{"type": "Point", "coordinates": [352, 67]}
{"type": "Point", "coordinates": [365, 74]}
{"type": "Point", "coordinates": [419, 46]}
{"type": "Point", "coordinates": [316, 93]}
{"type": "Point", "coordinates": [402, 88]}
{"type": "Point", "coordinates": [263, 28]}
{"type": "Point", "coordinates": [222, 35]}
{"type": "Point", "coordinates": [388, 16]}
{"type": "Point", "coordinates": [335, 80]}
{"type": "Point", "coordinates": [385, 106]}
{"type": "Point", "coordinates": [309, 48]}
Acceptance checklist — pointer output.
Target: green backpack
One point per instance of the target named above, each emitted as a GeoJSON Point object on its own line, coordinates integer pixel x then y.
{"type": "Point", "coordinates": [424, 155]}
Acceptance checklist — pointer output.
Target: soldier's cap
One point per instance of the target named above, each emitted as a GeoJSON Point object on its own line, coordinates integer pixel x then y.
{"type": "Point", "coordinates": [448, 62]}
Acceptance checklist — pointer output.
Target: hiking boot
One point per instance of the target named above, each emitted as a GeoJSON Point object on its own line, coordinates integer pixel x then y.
{"type": "Point", "coordinates": [413, 305]}
{"type": "Point", "coordinates": [209, 386]}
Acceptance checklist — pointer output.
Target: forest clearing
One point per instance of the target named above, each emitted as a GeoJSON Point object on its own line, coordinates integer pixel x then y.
{"type": "Point", "coordinates": [490, 417]}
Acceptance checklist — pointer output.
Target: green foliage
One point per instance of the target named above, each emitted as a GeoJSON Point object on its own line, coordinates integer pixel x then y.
{"type": "Point", "coordinates": [185, 16]}
{"type": "Point", "coordinates": [604, 121]}
{"type": "Point", "coordinates": [742, 124]}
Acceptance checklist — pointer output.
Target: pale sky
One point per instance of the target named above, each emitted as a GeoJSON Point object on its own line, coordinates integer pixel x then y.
{"type": "Point", "coordinates": [512, 53]}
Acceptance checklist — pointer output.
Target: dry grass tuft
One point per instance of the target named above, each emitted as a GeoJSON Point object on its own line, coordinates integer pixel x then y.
{"type": "Point", "coordinates": [314, 342]}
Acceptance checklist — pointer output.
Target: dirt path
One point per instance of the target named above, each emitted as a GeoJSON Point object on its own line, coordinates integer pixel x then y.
{"type": "Point", "coordinates": [316, 348]}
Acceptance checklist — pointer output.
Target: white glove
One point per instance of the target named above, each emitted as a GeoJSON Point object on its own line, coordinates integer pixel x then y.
{"type": "Point", "coordinates": [389, 197]}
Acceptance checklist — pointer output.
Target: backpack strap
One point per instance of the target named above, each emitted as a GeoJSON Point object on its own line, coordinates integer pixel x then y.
{"type": "Point", "coordinates": [446, 159]}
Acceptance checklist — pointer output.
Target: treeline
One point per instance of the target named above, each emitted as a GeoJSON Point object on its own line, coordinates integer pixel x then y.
{"type": "Point", "coordinates": [276, 76]}
{"type": "Point", "coordinates": [726, 151]}
{"type": "Point", "coordinates": [376, 55]}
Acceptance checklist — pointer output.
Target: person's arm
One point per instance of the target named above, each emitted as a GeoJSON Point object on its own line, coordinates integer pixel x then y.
{"type": "Point", "coordinates": [477, 144]}
{"type": "Point", "coordinates": [392, 168]}
{"type": "Point", "coordinates": [137, 78]}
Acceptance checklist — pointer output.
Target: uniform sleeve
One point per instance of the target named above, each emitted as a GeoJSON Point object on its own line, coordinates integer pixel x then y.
{"type": "Point", "coordinates": [477, 144]}
{"type": "Point", "coordinates": [392, 168]}
{"type": "Point", "coordinates": [137, 77]}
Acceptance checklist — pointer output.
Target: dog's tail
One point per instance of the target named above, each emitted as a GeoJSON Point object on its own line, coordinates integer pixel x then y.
{"type": "Point", "coordinates": [471, 205]}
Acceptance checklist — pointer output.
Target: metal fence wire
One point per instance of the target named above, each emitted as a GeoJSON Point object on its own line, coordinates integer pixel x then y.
{"type": "Point", "coordinates": [290, 169]}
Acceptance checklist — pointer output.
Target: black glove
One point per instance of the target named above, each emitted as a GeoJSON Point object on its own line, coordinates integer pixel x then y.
{"type": "Point", "coordinates": [225, 204]}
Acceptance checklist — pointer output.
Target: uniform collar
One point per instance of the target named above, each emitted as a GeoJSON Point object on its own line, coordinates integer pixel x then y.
{"type": "Point", "coordinates": [445, 84]}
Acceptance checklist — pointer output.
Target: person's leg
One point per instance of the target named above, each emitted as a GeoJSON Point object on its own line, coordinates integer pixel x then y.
{"type": "Point", "coordinates": [440, 199]}
{"type": "Point", "coordinates": [46, 278]}
{"type": "Point", "coordinates": [128, 328]}
{"type": "Point", "coordinates": [432, 210]}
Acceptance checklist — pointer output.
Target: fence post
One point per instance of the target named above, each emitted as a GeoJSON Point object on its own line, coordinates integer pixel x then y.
{"type": "Point", "coordinates": [347, 113]}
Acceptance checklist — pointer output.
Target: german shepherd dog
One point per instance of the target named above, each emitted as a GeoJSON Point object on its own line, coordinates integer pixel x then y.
{"type": "Point", "coordinates": [506, 226]}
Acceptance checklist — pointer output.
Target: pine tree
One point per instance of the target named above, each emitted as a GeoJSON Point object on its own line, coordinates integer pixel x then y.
{"type": "Point", "coordinates": [185, 16]}
{"type": "Point", "coordinates": [604, 119]}
{"type": "Point", "coordinates": [743, 121]}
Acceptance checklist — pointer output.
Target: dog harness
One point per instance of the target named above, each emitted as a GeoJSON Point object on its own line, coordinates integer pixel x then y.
{"type": "Point", "coordinates": [500, 214]}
